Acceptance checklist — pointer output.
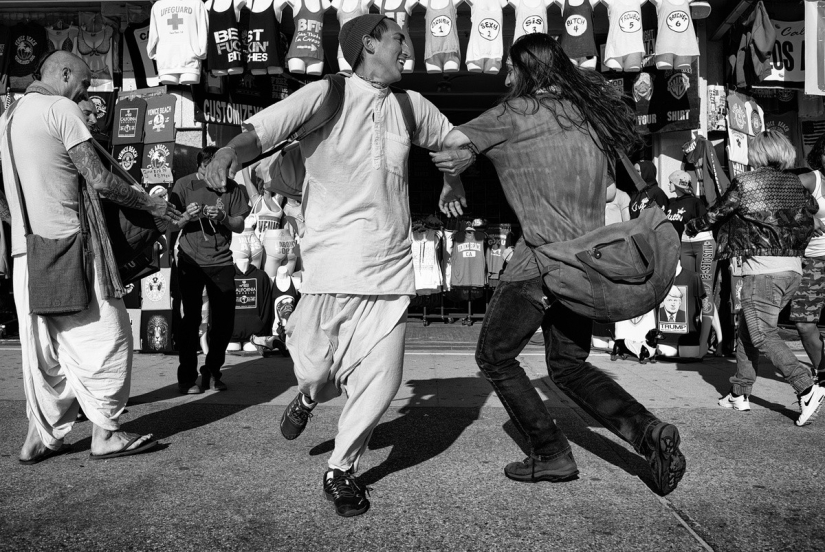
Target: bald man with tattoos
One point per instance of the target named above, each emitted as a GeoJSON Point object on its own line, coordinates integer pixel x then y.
{"type": "Point", "coordinates": [83, 359]}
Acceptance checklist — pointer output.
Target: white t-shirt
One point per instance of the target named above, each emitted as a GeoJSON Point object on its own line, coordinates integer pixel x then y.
{"type": "Point", "coordinates": [816, 247]}
{"type": "Point", "coordinates": [44, 129]}
{"type": "Point", "coordinates": [357, 237]}
{"type": "Point", "coordinates": [763, 264]}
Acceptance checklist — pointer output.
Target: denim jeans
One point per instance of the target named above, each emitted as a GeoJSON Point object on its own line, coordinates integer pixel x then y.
{"type": "Point", "coordinates": [515, 312]}
{"type": "Point", "coordinates": [763, 297]}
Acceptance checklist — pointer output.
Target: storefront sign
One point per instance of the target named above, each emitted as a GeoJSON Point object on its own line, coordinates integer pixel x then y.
{"type": "Point", "coordinates": [248, 94]}
{"type": "Point", "coordinates": [788, 56]}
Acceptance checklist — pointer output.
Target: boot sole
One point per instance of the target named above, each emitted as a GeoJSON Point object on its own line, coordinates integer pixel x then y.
{"type": "Point", "coordinates": [552, 478]}
{"type": "Point", "coordinates": [667, 462]}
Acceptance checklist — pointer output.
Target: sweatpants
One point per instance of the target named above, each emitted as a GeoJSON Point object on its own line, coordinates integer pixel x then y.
{"type": "Point", "coordinates": [80, 360]}
{"type": "Point", "coordinates": [354, 344]}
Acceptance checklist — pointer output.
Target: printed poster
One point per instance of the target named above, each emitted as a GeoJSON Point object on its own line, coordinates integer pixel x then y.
{"type": "Point", "coordinates": [673, 311]}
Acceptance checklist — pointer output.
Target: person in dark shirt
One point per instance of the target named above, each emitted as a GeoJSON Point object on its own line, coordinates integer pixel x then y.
{"type": "Point", "coordinates": [205, 261]}
{"type": "Point", "coordinates": [651, 194]}
{"type": "Point", "coordinates": [685, 206]}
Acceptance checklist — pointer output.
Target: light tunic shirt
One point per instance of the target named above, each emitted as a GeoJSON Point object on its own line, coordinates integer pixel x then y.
{"type": "Point", "coordinates": [355, 196]}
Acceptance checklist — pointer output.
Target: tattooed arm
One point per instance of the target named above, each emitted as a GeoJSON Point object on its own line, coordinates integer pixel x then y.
{"type": "Point", "coordinates": [114, 188]}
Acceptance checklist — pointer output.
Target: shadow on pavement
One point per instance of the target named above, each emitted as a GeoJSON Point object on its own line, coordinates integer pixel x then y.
{"type": "Point", "coordinates": [204, 409]}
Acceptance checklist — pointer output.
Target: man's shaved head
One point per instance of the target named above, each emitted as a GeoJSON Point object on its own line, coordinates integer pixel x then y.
{"type": "Point", "coordinates": [67, 74]}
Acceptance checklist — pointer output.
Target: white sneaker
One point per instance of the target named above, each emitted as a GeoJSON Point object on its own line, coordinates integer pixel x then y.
{"type": "Point", "coordinates": [809, 405]}
{"type": "Point", "coordinates": [737, 403]}
{"type": "Point", "coordinates": [233, 346]}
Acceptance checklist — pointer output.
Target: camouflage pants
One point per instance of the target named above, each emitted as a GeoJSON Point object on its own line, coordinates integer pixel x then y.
{"type": "Point", "coordinates": [807, 303]}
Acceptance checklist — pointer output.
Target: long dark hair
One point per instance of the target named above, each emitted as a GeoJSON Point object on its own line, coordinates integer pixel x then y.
{"type": "Point", "coordinates": [542, 66]}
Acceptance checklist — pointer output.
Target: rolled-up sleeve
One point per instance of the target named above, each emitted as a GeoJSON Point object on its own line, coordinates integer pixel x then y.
{"type": "Point", "coordinates": [278, 121]}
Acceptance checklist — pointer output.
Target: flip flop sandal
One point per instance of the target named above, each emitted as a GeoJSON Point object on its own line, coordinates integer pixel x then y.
{"type": "Point", "coordinates": [145, 447]}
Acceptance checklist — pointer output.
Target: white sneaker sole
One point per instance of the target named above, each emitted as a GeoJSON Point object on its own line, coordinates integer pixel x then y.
{"type": "Point", "coordinates": [724, 403]}
{"type": "Point", "coordinates": [812, 416]}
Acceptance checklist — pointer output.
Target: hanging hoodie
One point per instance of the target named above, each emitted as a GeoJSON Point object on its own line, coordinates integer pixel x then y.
{"type": "Point", "coordinates": [709, 170]}
{"type": "Point", "coordinates": [253, 303]}
{"type": "Point", "coordinates": [750, 47]}
{"type": "Point", "coordinates": [177, 38]}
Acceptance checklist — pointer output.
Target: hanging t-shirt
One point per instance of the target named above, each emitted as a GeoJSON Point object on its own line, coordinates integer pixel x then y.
{"type": "Point", "coordinates": [263, 54]}
{"type": "Point", "coordinates": [647, 198]}
{"type": "Point", "coordinates": [343, 16]}
{"type": "Point", "coordinates": [441, 32]}
{"type": "Point", "coordinates": [253, 303]}
{"type": "Point", "coordinates": [401, 16]}
{"type": "Point", "coordinates": [682, 209]}
{"type": "Point", "coordinates": [679, 315]}
{"type": "Point", "coordinates": [469, 267]}
{"type": "Point", "coordinates": [738, 113]}
{"type": "Point", "coordinates": [306, 43]}
{"type": "Point", "coordinates": [63, 39]}
{"type": "Point", "coordinates": [206, 242]}
{"type": "Point", "coordinates": [676, 35]}
{"type": "Point", "coordinates": [486, 45]}
{"type": "Point", "coordinates": [224, 52]}
{"type": "Point", "coordinates": [159, 158]}
{"type": "Point", "coordinates": [577, 33]}
{"type": "Point", "coordinates": [425, 246]}
{"type": "Point", "coordinates": [137, 64]}
{"type": "Point", "coordinates": [624, 35]}
{"type": "Point", "coordinates": [283, 302]}
{"type": "Point", "coordinates": [531, 17]}
{"type": "Point", "coordinates": [737, 146]}
{"type": "Point", "coordinates": [159, 123]}
{"type": "Point", "coordinates": [129, 117]}
{"type": "Point", "coordinates": [4, 50]}
{"type": "Point", "coordinates": [129, 156]}
{"type": "Point", "coordinates": [178, 38]}
{"type": "Point", "coordinates": [27, 42]}
{"type": "Point", "coordinates": [104, 103]}
{"type": "Point", "coordinates": [499, 242]}
{"type": "Point", "coordinates": [96, 51]}
{"type": "Point", "coordinates": [755, 117]}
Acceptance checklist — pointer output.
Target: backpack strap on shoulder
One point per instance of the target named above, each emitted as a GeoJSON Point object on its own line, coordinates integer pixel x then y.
{"type": "Point", "coordinates": [404, 101]}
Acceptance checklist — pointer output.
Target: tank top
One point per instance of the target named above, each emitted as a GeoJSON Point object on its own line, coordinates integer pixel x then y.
{"type": "Point", "coordinates": [577, 35]}
{"type": "Point", "coordinates": [469, 267]}
{"type": "Point", "coordinates": [223, 52]}
{"type": "Point", "coordinates": [401, 16]}
{"type": "Point", "coordinates": [427, 271]}
{"type": "Point", "coordinates": [530, 19]}
{"type": "Point", "coordinates": [344, 16]}
{"type": "Point", "coordinates": [486, 46]}
{"type": "Point", "coordinates": [284, 303]}
{"type": "Point", "coordinates": [63, 39]}
{"type": "Point", "coordinates": [96, 51]}
{"type": "Point", "coordinates": [676, 35]}
{"type": "Point", "coordinates": [442, 34]}
{"type": "Point", "coordinates": [816, 247]}
{"type": "Point", "coordinates": [264, 54]}
{"type": "Point", "coordinates": [624, 36]}
{"type": "Point", "coordinates": [267, 215]}
{"type": "Point", "coordinates": [306, 43]}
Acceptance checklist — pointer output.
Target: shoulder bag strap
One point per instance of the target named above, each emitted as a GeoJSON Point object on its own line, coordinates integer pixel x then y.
{"type": "Point", "coordinates": [406, 109]}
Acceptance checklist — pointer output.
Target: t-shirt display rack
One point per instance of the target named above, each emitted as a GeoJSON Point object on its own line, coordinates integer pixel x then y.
{"type": "Point", "coordinates": [439, 302]}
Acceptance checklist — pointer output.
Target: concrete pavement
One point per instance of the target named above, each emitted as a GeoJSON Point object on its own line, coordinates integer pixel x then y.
{"type": "Point", "coordinates": [227, 480]}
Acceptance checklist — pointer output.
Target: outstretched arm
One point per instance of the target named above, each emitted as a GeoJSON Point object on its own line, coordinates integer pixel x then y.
{"type": "Point", "coordinates": [112, 187]}
{"type": "Point", "coordinates": [457, 156]}
{"type": "Point", "coordinates": [228, 160]}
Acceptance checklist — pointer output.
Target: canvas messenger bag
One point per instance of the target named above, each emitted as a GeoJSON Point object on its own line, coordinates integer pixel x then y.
{"type": "Point", "coordinates": [616, 272]}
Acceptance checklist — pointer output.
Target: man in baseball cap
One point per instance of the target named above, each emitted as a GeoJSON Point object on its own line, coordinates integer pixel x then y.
{"type": "Point", "coordinates": [347, 332]}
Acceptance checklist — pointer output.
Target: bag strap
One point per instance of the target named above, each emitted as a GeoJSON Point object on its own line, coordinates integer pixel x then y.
{"type": "Point", "coordinates": [404, 101]}
{"type": "Point", "coordinates": [331, 106]}
{"type": "Point", "coordinates": [631, 172]}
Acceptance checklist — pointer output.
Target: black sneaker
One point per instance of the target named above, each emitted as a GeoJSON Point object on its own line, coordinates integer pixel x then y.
{"type": "Point", "coordinates": [531, 470]}
{"type": "Point", "coordinates": [666, 460]}
{"type": "Point", "coordinates": [350, 500]}
{"type": "Point", "coordinates": [295, 418]}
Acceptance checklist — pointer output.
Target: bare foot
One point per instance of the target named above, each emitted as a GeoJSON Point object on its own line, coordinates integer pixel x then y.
{"type": "Point", "coordinates": [107, 442]}
{"type": "Point", "coordinates": [33, 446]}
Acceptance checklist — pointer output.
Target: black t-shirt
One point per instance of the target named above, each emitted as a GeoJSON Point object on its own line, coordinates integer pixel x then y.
{"type": "Point", "coordinates": [253, 304]}
{"type": "Point", "coordinates": [682, 209]}
{"type": "Point", "coordinates": [206, 242]}
{"type": "Point", "coordinates": [646, 198]}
